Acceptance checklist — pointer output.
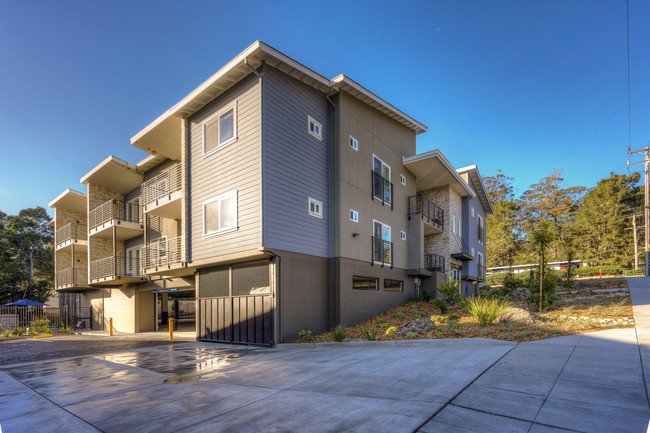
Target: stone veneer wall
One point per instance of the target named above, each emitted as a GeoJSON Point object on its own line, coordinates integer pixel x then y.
{"type": "Point", "coordinates": [445, 243]}
{"type": "Point", "coordinates": [101, 248]}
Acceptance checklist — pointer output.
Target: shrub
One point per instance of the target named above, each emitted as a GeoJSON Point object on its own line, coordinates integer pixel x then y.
{"type": "Point", "coordinates": [413, 306]}
{"type": "Point", "coordinates": [424, 296]}
{"type": "Point", "coordinates": [549, 297]}
{"type": "Point", "coordinates": [6, 333]}
{"type": "Point", "coordinates": [391, 330]}
{"type": "Point", "coordinates": [452, 327]}
{"type": "Point", "coordinates": [383, 325]}
{"type": "Point", "coordinates": [496, 292]}
{"type": "Point", "coordinates": [594, 271]}
{"type": "Point", "coordinates": [15, 331]}
{"type": "Point", "coordinates": [400, 315]}
{"type": "Point", "coordinates": [41, 326]}
{"type": "Point", "coordinates": [450, 289]}
{"type": "Point", "coordinates": [339, 332]}
{"type": "Point", "coordinates": [454, 317]}
{"type": "Point", "coordinates": [412, 335]}
{"type": "Point", "coordinates": [438, 319]}
{"type": "Point", "coordinates": [634, 272]}
{"type": "Point", "coordinates": [440, 305]}
{"type": "Point", "coordinates": [511, 282]}
{"type": "Point", "coordinates": [485, 310]}
{"type": "Point", "coordinates": [421, 314]}
{"type": "Point", "coordinates": [304, 335]}
{"type": "Point", "coordinates": [370, 335]}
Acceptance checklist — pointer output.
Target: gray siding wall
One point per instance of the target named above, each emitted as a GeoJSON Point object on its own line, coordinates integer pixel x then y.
{"type": "Point", "coordinates": [235, 166]}
{"type": "Point", "coordinates": [294, 166]}
{"type": "Point", "coordinates": [470, 231]}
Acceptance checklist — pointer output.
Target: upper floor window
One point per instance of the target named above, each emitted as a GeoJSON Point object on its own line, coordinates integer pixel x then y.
{"type": "Point", "coordinates": [354, 215]}
{"type": "Point", "coordinates": [481, 230]}
{"type": "Point", "coordinates": [315, 208]}
{"type": "Point", "coordinates": [354, 143]}
{"type": "Point", "coordinates": [220, 214]}
{"type": "Point", "coordinates": [315, 128]}
{"type": "Point", "coordinates": [460, 225]}
{"type": "Point", "coordinates": [220, 129]}
{"type": "Point", "coordinates": [472, 211]}
{"type": "Point", "coordinates": [382, 188]}
{"type": "Point", "coordinates": [402, 235]}
{"type": "Point", "coordinates": [402, 179]}
{"type": "Point", "coordinates": [453, 223]}
{"type": "Point", "coordinates": [382, 247]}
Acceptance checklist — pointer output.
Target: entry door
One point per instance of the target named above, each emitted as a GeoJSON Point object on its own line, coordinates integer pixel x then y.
{"type": "Point", "coordinates": [235, 304]}
{"type": "Point", "coordinates": [133, 261]}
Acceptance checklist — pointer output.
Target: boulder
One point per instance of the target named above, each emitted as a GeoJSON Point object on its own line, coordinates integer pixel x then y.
{"type": "Point", "coordinates": [517, 315]}
{"type": "Point", "coordinates": [519, 294]}
{"type": "Point", "coordinates": [420, 326]}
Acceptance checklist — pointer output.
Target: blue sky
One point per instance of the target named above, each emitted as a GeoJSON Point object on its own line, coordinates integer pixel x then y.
{"type": "Point", "coordinates": [524, 87]}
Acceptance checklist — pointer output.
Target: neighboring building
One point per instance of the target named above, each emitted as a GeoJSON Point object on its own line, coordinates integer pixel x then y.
{"type": "Point", "coordinates": [516, 269]}
{"type": "Point", "coordinates": [275, 200]}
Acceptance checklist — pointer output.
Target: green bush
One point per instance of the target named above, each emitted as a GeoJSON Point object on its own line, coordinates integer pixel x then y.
{"type": "Point", "coordinates": [496, 292]}
{"type": "Point", "coordinates": [41, 326]}
{"type": "Point", "coordinates": [339, 332]}
{"type": "Point", "coordinates": [514, 280]}
{"type": "Point", "coordinates": [634, 272]}
{"type": "Point", "coordinates": [450, 290]}
{"type": "Point", "coordinates": [383, 325]}
{"type": "Point", "coordinates": [549, 297]}
{"type": "Point", "coordinates": [400, 315]}
{"type": "Point", "coordinates": [6, 333]}
{"type": "Point", "coordinates": [511, 282]}
{"type": "Point", "coordinates": [304, 335]}
{"type": "Point", "coordinates": [452, 327]}
{"type": "Point", "coordinates": [595, 271]}
{"type": "Point", "coordinates": [454, 317]}
{"type": "Point", "coordinates": [440, 305]}
{"type": "Point", "coordinates": [413, 306]}
{"type": "Point", "coordinates": [370, 335]}
{"type": "Point", "coordinates": [485, 310]}
{"type": "Point", "coordinates": [412, 335]}
{"type": "Point", "coordinates": [425, 296]}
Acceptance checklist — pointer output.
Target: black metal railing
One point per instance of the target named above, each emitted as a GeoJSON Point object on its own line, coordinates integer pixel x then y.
{"type": "Point", "coordinates": [14, 316]}
{"type": "Point", "coordinates": [382, 189]}
{"type": "Point", "coordinates": [434, 262]}
{"type": "Point", "coordinates": [419, 204]}
{"type": "Point", "coordinates": [382, 252]}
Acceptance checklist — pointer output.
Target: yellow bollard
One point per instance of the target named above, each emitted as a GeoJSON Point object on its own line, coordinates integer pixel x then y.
{"type": "Point", "coordinates": [171, 328]}
{"type": "Point", "coordinates": [110, 326]}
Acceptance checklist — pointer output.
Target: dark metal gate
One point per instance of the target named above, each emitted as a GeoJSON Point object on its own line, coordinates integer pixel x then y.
{"type": "Point", "coordinates": [236, 319]}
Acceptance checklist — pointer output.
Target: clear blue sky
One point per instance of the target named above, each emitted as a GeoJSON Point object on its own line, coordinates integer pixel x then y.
{"type": "Point", "coordinates": [522, 86]}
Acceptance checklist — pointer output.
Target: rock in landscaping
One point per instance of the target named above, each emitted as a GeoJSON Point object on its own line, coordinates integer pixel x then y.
{"type": "Point", "coordinates": [519, 294]}
{"type": "Point", "coordinates": [516, 315]}
{"type": "Point", "coordinates": [420, 326]}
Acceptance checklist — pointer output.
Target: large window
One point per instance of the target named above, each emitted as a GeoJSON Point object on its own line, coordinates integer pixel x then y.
{"type": "Point", "coordinates": [220, 214]}
{"type": "Point", "coordinates": [364, 283]}
{"type": "Point", "coordinates": [220, 129]}
{"type": "Point", "coordinates": [382, 188]}
{"type": "Point", "coordinates": [393, 285]}
{"type": "Point", "coordinates": [382, 245]}
{"type": "Point", "coordinates": [481, 231]}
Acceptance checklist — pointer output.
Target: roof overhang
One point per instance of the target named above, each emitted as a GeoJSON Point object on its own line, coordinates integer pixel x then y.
{"type": "Point", "coordinates": [71, 200]}
{"type": "Point", "coordinates": [477, 180]}
{"type": "Point", "coordinates": [433, 170]}
{"type": "Point", "coordinates": [163, 135]}
{"type": "Point", "coordinates": [114, 174]}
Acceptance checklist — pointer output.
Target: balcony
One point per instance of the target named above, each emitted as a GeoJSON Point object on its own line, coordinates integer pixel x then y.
{"type": "Point", "coordinates": [71, 278]}
{"type": "Point", "coordinates": [434, 263]}
{"type": "Point", "coordinates": [428, 211]}
{"type": "Point", "coordinates": [381, 252]}
{"type": "Point", "coordinates": [161, 195]}
{"type": "Point", "coordinates": [126, 218]}
{"type": "Point", "coordinates": [115, 270]}
{"type": "Point", "coordinates": [72, 234]}
{"type": "Point", "coordinates": [164, 255]}
{"type": "Point", "coordinates": [382, 189]}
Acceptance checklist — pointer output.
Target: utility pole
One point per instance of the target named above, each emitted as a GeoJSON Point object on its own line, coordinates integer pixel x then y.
{"type": "Point", "coordinates": [646, 160]}
{"type": "Point", "coordinates": [636, 244]}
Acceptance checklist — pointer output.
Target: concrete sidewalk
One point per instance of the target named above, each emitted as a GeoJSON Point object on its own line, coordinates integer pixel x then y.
{"type": "Point", "coordinates": [640, 294]}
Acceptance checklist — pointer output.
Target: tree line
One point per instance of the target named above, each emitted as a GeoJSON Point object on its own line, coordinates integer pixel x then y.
{"type": "Point", "coordinates": [591, 224]}
{"type": "Point", "coordinates": [26, 256]}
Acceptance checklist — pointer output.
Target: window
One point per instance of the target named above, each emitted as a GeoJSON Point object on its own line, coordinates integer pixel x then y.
{"type": "Point", "coordinates": [354, 143]}
{"type": "Point", "coordinates": [473, 252]}
{"type": "Point", "coordinates": [393, 285]}
{"type": "Point", "coordinates": [381, 245]}
{"type": "Point", "coordinates": [402, 179]}
{"type": "Point", "coordinates": [453, 223]}
{"type": "Point", "coordinates": [381, 186]}
{"type": "Point", "coordinates": [472, 211]}
{"type": "Point", "coordinates": [364, 283]}
{"type": "Point", "coordinates": [315, 208]}
{"type": "Point", "coordinates": [315, 128]}
{"type": "Point", "coordinates": [132, 261]}
{"type": "Point", "coordinates": [459, 227]}
{"type": "Point", "coordinates": [402, 235]}
{"type": "Point", "coordinates": [220, 214]}
{"type": "Point", "coordinates": [354, 216]}
{"type": "Point", "coordinates": [220, 129]}
{"type": "Point", "coordinates": [481, 231]}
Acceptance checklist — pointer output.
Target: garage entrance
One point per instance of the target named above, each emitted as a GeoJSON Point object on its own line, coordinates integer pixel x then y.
{"type": "Point", "coordinates": [179, 304]}
{"type": "Point", "coordinates": [235, 304]}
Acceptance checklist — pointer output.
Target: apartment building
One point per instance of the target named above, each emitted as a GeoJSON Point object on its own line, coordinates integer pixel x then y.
{"type": "Point", "coordinates": [273, 200]}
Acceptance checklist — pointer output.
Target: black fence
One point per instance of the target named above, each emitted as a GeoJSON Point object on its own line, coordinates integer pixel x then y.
{"type": "Point", "coordinates": [382, 252]}
{"type": "Point", "coordinates": [420, 205]}
{"type": "Point", "coordinates": [434, 262]}
{"type": "Point", "coordinates": [15, 316]}
{"type": "Point", "coordinates": [382, 189]}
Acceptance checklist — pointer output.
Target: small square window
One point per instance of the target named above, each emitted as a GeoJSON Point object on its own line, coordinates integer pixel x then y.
{"type": "Point", "coordinates": [402, 235]}
{"type": "Point", "coordinates": [354, 143]}
{"type": "Point", "coordinates": [402, 179]}
{"type": "Point", "coordinates": [314, 128]}
{"type": "Point", "coordinates": [393, 285]}
{"type": "Point", "coordinates": [315, 208]}
{"type": "Point", "coordinates": [354, 216]}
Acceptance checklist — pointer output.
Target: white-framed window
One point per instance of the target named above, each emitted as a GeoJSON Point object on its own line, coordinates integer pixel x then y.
{"type": "Point", "coordinates": [220, 214]}
{"type": "Point", "coordinates": [402, 179]}
{"type": "Point", "coordinates": [473, 252]}
{"type": "Point", "coordinates": [472, 211]}
{"type": "Point", "coordinates": [402, 235]}
{"type": "Point", "coordinates": [315, 208]}
{"type": "Point", "coordinates": [460, 225]}
{"type": "Point", "coordinates": [354, 215]}
{"type": "Point", "coordinates": [381, 189]}
{"type": "Point", "coordinates": [453, 223]}
{"type": "Point", "coordinates": [481, 230]}
{"type": "Point", "coordinates": [480, 258]}
{"type": "Point", "coordinates": [382, 246]}
{"type": "Point", "coordinates": [220, 129]}
{"type": "Point", "coordinates": [132, 265]}
{"type": "Point", "coordinates": [314, 128]}
{"type": "Point", "coordinates": [354, 143]}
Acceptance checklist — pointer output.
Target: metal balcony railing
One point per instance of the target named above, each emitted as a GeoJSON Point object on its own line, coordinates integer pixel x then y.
{"type": "Point", "coordinates": [419, 204]}
{"type": "Point", "coordinates": [381, 252]}
{"type": "Point", "coordinates": [163, 252]}
{"type": "Point", "coordinates": [115, 209]}
{"type": "Point", "coordinates": [434, 262]}
{"type": "Point", "coordinates": [71, 231]}
{"type": "Point", "coordinates": [71, 276]}
{"type": "Point", "coordinates": [382, 189]}
{"type": "Point", "coordinates": [114, 266]}
{"type": "Point", "coordinates": [163, 185]}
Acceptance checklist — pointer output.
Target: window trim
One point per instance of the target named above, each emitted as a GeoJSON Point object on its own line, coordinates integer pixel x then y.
{"type": "Point", "coordinates": [480, 224]}
{"type": "Point", "coordinates": [318, 214]}
{"type": "Point", "coordinates": [235, 193]}
{"type": "Point", "coordinates": [402, 235]}
{"type": "Point", "coordinates": [355, 142]}
{"type": "Point", "coordinates": [390, 170]}
{"type": "Point", "coordinates": [311, 120]}
{"type": "Point", "coordinates": [215, 117]}
{"type": "Point", "coordinates": [390, 229]}
{"type": "Point", "coordinates": [376, 289]}
{"type": "Point", "coordinates": [354, 216]}
{"type": "Point", "coordinates": [402, 179]}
